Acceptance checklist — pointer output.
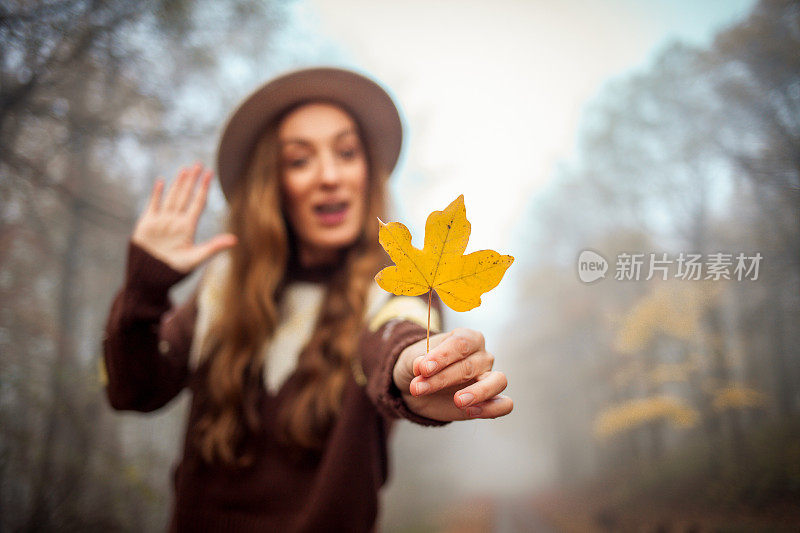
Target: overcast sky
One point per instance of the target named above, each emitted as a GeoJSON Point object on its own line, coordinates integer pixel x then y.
{"type": "Point", "coordinates": [492, 91]}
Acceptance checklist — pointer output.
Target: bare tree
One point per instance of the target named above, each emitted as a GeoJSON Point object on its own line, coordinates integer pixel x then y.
{"type": "Point", "coordinates": [86, 86]}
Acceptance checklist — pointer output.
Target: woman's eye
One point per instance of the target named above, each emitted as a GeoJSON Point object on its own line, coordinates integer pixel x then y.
{"type": "Point", "coordinates": [348, 154]}
{"type": "Point", "coordinates": [297, 163]}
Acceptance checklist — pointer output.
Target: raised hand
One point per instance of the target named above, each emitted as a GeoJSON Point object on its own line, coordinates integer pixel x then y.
{"type": "Point", "coordinates": [461, 365]}
{"type": "Point", "coordinates": [167, 229]}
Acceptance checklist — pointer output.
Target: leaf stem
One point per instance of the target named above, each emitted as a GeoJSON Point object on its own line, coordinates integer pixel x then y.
{"type": "Point", "coordinates": [428, 337]}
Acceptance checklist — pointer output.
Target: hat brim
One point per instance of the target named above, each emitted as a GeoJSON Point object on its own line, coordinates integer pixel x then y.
{"type": "Point", "coordinates": [370, 105]}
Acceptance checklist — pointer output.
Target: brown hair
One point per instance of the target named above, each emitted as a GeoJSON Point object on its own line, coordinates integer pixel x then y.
{"type": "Point", "coordinates": [249, 316]}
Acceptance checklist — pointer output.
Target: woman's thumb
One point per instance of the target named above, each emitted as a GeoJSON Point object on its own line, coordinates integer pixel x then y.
{"type": "Point", "coordinates": [216, 244]}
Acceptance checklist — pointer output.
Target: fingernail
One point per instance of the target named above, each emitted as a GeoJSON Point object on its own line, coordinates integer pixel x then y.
{"type": "Point", "coordinates": [430, 366]}
{"type": "Point", "coordinates": [474, 411]}
{"type": "Point", "coordinates": [422, 387]}
{"type": "Point", "coordinates": [466, 398]}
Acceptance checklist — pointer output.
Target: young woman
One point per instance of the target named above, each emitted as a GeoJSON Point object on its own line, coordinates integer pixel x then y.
{"type": "Point", "coordinates": [297, 362]}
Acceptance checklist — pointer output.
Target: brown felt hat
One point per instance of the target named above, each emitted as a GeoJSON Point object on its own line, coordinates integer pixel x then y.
{"type": "Point", "coordinates": [369, 104]}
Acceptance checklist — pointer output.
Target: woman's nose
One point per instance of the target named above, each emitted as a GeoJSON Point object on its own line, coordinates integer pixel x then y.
{"type": "Point", "coordinates": [330, 171]}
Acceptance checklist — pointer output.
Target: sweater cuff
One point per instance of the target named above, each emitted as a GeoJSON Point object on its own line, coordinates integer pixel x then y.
{"type": "Point", "coordinates": [148, 275]}
{"type": "Point", "coordinates": [390, 399]}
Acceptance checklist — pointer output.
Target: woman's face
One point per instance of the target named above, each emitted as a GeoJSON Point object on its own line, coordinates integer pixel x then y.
{"type": "Point", "coordinates": [323, 179]}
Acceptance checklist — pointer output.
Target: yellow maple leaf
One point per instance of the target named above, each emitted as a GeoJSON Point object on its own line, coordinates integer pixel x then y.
{"type": "Point", "coordinates": [441, 265]}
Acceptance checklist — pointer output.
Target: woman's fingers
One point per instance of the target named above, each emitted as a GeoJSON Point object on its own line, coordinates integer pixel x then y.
{"type": "Point", "coordinates": [489, 385]}
{"type": "Point", "coordinates": [155, 197]}
{"type": "Point", "coordinates": [171, 200]}
{"type": "Point", "coordinates": [499, 405]}
{"type": "Point", "coordinates": [198, 202]}
{"type": "Point", "coordinates": [460, 371]}
{"type": "Point", "coordinates": [460, 344]}
{"type": "Point", "coordinates": [185, 194]}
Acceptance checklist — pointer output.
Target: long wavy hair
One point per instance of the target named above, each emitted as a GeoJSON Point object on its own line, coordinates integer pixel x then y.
{"type": "Point", "coordinates": [249, 316]}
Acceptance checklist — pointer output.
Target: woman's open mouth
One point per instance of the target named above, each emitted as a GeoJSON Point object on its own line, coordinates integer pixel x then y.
{"type": "Point", "coordinates": [331, 214]}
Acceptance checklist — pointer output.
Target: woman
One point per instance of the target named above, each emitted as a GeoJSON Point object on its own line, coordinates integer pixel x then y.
{"type": "Point", "coordinates": [297, 362]}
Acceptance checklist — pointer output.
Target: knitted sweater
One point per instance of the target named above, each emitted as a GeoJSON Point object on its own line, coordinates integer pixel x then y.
{"type": "Point", "coordinates": [147, 354]}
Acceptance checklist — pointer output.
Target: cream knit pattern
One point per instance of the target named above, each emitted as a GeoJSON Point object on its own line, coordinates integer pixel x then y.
{"type": "Point", "coordinates": [298, 312]}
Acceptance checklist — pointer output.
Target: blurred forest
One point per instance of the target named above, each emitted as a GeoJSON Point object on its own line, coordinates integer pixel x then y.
{"type": "Point", "coordinates": [657, 395]}
{"type": "Point", "coordinates": [675, 393]}
{"type": "Point", "coordinates": [86, 87]}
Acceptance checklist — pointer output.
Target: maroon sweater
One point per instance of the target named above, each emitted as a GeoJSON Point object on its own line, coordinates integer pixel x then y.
{"type": "Point", "coordinates": [146, 353]}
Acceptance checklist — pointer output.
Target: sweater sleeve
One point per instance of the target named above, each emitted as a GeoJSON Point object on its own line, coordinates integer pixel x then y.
{"type": "Point", "coordinates": [147, 339]}
{"type": "Point", "coordinates": [380, 350]}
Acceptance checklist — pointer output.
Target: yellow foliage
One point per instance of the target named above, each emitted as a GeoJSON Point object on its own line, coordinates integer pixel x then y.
{"type": "Point", "coordinates": [737, 397]}
{"type": "Point", "coordinates": [635, 413]}
{"type": "Point", "coordinates": [132, 473]}
{"type": "Point", "coordinates": [672, 308]}
{"type": "Point", "coordinates": [102, 375]}
{"type": "Point", "coordinates": [696, 361]}
{"type": "Point", "coordinates": [671, 372]}
{"type": "Point", "coordinates": [441, 265]}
